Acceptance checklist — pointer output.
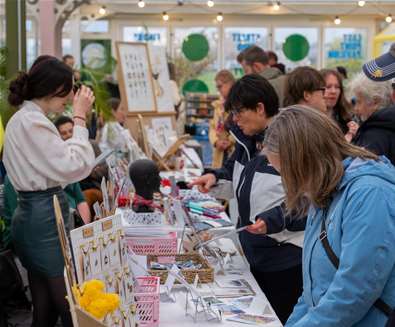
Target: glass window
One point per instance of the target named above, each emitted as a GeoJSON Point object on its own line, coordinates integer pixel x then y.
{"type": "Point", "coordinates": [237, 39]}
{"type": "Point", "coordinates": [2, 31]}
{"type": "Point", "coordinates": [94, 26]}
{"type": "Point", "coordinates": [296, 46]}
{"type": "Point", "coordinates": [155, 35]}
{"type": "Point", "coordinates": [345, 47]}
{"type": "Point", "coordinates": [66, 46]}
{"type": "Point", "coordinates": [31, 42]}
{"type": "Point", "coordinates": [195, 55]}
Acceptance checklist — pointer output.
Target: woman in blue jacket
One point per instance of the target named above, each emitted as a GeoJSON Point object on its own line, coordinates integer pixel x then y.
{"type": "Point", "coordinates": [352, 214]}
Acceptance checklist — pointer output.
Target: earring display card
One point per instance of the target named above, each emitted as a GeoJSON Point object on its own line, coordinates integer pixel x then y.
{"type": "Point", "coordinates": [100, 252]}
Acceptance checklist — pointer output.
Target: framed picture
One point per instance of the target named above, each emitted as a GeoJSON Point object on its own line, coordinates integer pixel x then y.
{"type": "Point", "coordinates": [135, 77]}
{"type": "Point", "coordinates": [161, 79]}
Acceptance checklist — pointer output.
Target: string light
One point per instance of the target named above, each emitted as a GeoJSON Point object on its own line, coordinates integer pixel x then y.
{"type": "Point", "coordinates": [220, 17]}
{"type": "Point", "coordinates": [337, 20]}
{"type": "Point", "coordinates": [165, 16]}
{"type": "Point", "coordinates": [141, 3]}
{"type": "Point", "coordinates": [361, 3]}
{"type": "Point", "coordinates": [276, 6]}
{"type": "Point", "coordinates": [388, 19]}
{"type": "Point", "coordinates": [102, 10]}
{"type": "Point", "coordinates": [210, 3]}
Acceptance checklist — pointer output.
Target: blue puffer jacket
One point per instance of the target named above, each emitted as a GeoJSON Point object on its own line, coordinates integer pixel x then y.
{"type": "Point", "coordinates": [361, 231]}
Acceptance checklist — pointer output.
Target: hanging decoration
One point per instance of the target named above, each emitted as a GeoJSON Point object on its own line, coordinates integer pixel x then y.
{"type": "Point", "coordinates": [296, 47]}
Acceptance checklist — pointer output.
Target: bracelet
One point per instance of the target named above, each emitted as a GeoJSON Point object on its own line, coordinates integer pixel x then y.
{"type": "Point", "coordinates": [79, 117]}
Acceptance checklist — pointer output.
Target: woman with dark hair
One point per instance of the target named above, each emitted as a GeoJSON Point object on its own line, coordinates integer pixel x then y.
{"type": "Point", "coordinates": [38, 164]}
{"type": "Point", "coordinates": [305, 86]}
{"type": "Point", "coordinates": [336, 104]}
{"type": "Point", "coordinates": [272, 242]}
{"type": "Point", "coordinates": [348, 252]}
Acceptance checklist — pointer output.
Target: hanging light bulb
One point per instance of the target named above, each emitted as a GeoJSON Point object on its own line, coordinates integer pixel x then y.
{"type": "Point", "coordinates": [361, 3]}
{"type": "Point", "coordinates": [388, 19]}
{"type": "Point", "coordinates": [102, 10]}
{"type": "Point", "coordinates": [141, 3]}
{"type": "Point", "coordinates": [220, 17]}
{"type": "Point", "coordinates": [337, 20]}
{"type": "Point", "coordinates": [276, 6]}
{"type": "Point", "coordinates": [210, 3]}
{"type": "Point", "coordinates": [165, 16]}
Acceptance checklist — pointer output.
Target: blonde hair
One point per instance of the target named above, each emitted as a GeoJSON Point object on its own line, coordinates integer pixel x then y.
{"type": "Point", "coordinates": [311, 148]}
{"type": "Point", "coordinates": [225, 76]}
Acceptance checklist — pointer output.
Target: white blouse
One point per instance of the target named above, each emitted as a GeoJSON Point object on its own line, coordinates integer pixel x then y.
{"type": "Point", "coordinates": [35, 156]}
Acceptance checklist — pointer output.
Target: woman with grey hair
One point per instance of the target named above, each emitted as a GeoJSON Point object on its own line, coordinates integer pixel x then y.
{"type": "Point", "coordinates": [374, 106]}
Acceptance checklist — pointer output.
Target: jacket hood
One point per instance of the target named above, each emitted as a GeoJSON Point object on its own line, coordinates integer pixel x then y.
{"type": "Point", "coordinates": [384, 118]}
{"type": "Point", "coordinates": [271, 73]}
{"type": "Point", "coordinates": [357, 167]}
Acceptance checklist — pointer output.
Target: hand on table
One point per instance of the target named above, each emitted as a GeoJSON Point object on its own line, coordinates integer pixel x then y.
{"type": "Point", "coordinates": [258, 228]}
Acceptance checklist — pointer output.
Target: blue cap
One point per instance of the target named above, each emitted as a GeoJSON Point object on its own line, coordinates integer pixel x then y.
{"type": "Point", "coordinates": [382, 68]}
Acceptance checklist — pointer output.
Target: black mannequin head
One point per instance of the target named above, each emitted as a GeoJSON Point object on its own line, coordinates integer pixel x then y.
{"type": "Point", "coordinates": [144, 175]}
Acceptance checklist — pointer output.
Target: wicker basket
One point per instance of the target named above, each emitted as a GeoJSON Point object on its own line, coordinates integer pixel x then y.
{"type": "Point", "coordinates": [206, 273]}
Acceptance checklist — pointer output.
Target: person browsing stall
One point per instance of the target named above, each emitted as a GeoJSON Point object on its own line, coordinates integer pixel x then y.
{"type": "Point", "coordinates": [39, 163]}
{"type": "Point", "coordinates": [348, 252]}
{"type": "Point", "coordinates": [272, 244]}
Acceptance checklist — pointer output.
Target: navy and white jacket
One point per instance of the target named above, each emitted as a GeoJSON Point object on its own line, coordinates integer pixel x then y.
{"type": "Point", "coordinates": [259, 193]}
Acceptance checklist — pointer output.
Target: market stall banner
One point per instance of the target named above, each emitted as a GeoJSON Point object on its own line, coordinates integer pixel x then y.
{"type": "Point", "coordinates": [296, 47]}
{"type": "Point", "coordinates": [195, 47]}
{"type": "Point", "coordinates": [96, 55]}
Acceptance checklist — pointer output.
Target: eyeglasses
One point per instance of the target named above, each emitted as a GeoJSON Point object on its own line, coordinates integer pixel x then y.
{"type": "Point", "coordinates": [322, 89]}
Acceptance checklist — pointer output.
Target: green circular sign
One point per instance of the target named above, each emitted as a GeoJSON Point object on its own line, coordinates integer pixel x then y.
{"type": "Point", "coordinates": [194, 86]}
{"type": "Point", "coordinates": [296, 47]}
{"type": "Point", "coordinates": [195, 47]}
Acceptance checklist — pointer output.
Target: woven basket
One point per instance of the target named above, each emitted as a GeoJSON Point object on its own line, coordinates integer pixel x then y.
{"type": "Point", "coordinates": [206, 273]}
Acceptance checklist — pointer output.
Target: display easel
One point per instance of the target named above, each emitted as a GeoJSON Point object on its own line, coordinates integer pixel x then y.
{"type": "Point", "coordinates": [80, 317]}
{"type": "Point", "coordinates": [133, 81]}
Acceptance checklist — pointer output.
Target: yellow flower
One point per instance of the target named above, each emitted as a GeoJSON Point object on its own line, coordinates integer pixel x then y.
{"type": "Point", "coordinates": [92, 298]}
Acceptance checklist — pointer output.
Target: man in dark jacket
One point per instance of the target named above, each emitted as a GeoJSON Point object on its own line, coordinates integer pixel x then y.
{"type": "Point", "coordinates": [273, 242]}
{"type": "Point", "coordinates": [255, 60]}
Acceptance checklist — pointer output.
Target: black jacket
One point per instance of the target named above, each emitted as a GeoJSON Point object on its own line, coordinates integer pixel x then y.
{"type": "Point", "coordinates": [377, 133]}
{"type": "Point", "coordinates": [260, 194]}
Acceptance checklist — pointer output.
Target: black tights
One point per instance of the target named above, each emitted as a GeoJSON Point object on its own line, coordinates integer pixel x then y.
{"type": "Point", "coordinates": [49, 301]}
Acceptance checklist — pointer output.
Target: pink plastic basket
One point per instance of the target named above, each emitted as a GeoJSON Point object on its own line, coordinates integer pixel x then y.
{"type": "Point", "coordinates": [165, 245]}
{"type": "Point", "coordinates": [147, 301]}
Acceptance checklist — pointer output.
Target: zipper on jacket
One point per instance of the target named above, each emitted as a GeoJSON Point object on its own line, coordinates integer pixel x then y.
{"type": "Point", "coordinates": [242, 144]}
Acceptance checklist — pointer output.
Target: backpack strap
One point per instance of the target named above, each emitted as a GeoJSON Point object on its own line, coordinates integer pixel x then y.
{"type": "Point", "coordinates": [379, 304]}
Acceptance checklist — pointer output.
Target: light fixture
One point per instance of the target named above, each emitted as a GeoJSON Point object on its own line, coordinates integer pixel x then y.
{"type": "Point", "coordinates": [361, 3]}
{"type": "Point", "coordinates": [220, 17]}
{"type": "Point", "coordinates": [141, 3]}
{"type": "Point", "coordinates": [102, 10]}
{"type": "Point", "coordinates": [276, 6]}
{"type": "Point", "coordinates": [165, 16]}
{"type": "Point", "coordinates": [337, 20]}
{"type": "Point", "coordinates": [210, 3]}
{"type": "Point", "coordinates": [388, 19]}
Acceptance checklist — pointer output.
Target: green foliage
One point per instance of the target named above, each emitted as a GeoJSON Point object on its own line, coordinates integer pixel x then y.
{"type": "Point", "coordinates": [6, 110]}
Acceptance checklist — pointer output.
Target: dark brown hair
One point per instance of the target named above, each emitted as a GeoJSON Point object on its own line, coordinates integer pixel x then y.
{"type": "Point", "coordinates": [342, 107]}
{"type": "Point", "coordinates": [300, 80]}
{"type": "Point", "coordinates": [48, 77]}
{"type": "Point", "coordinates": [253, 54]}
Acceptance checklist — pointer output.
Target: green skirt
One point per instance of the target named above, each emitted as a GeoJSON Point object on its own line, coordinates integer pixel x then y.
{"type": "Point", "coordinates": [34, 231]}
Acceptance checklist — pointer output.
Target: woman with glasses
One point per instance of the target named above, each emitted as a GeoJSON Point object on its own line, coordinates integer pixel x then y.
{"type": "Point", "coordinates": [305, 86]}
{"type": "Point", "coordinates": [337, 106]}
{"type": "Point", "coordinates": [272, 244]}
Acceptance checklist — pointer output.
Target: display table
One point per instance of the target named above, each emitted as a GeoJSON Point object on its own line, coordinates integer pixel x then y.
{"type": "Point", "coordinates": [173, 314]}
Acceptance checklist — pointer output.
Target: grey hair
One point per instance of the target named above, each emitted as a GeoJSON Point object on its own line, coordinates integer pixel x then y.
{"type": "Point", "coordinates": [380, 92]}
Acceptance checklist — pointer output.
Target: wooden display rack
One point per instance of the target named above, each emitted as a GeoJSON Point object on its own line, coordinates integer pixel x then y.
{"type": "Point", "coordinates": [79, 316]}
